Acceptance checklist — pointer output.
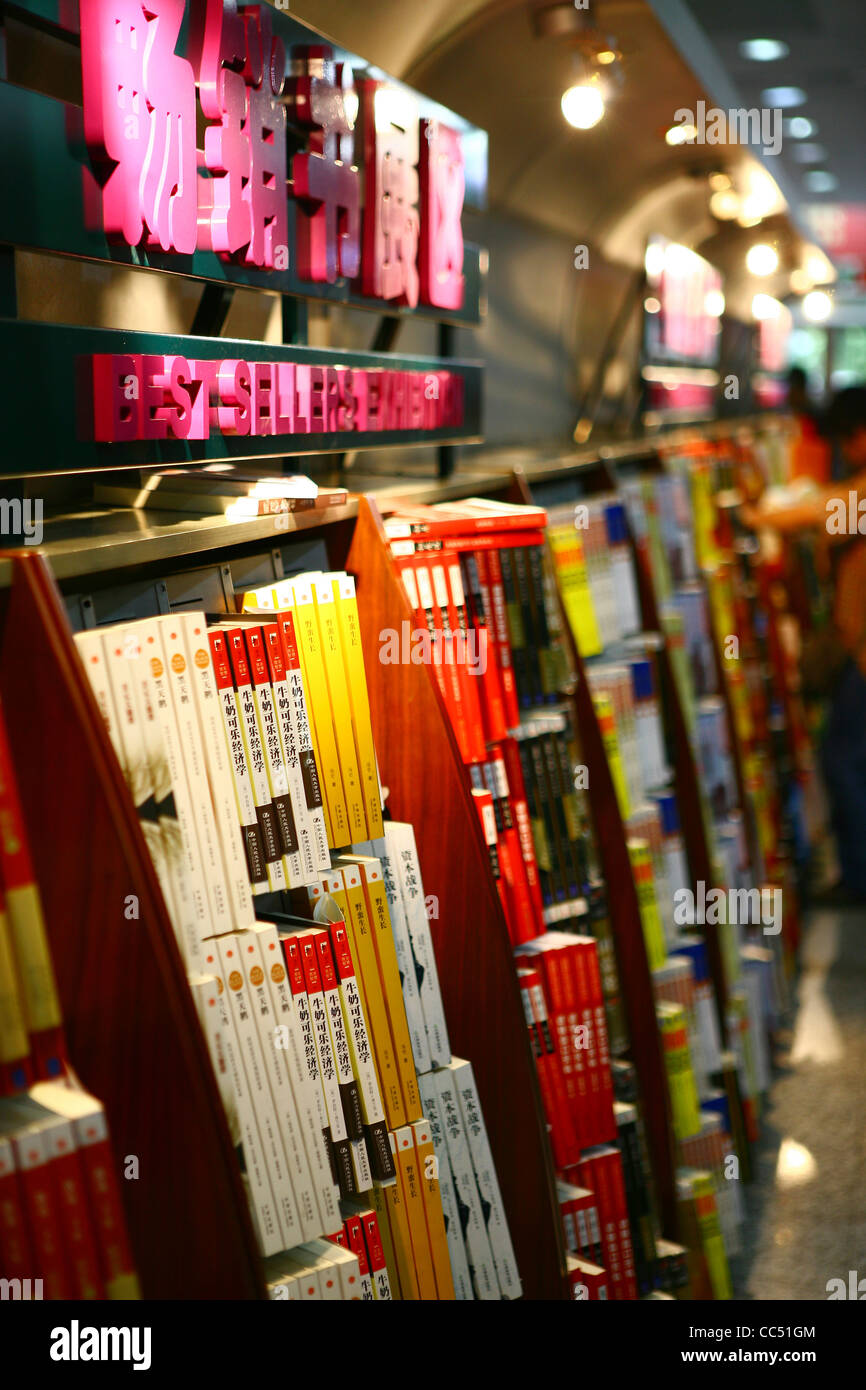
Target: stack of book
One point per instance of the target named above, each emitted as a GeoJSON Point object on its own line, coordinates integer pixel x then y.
{"type": "Point", "coordinates": [62, 1226]}
{"type": "Point", "coordinates": [247, 746]}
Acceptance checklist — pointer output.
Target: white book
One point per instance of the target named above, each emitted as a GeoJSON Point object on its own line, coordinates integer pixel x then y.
{"type": "Point", "coordinates": [242, 785]}
{"type": "Point", "coordinates": [321, 1264]}
{"type": "Point", "coordinates": [401, 850]}
{"type": "Point", "coordinates": [258, 984]}
{"type": "Point", "coordinates": [450, 1210]}
{"type": "Point", "coordinates": [202, 923]}
{"type": "Point", "coordinates": [488, 1183]}
{"type": "Point", "coordinates": [294, 1041]}
{"type": "Point", "coordinates": [344, 1262]}
{"type": "Point", "coordinates": [275, 763]}
{"type": "Point", "coordinates": [310, 771]}
{"type": "Point", "coordinates": [327, 1062]}
{"type": "Point", "coordinates": [241, 1006]}
{"type": "Point", "coordinates": [405, 958]}
{"type": "Point", "coordinates": [308, 853]}
{"type": "Point", "coordinates": [218, 766]}
{"type": "Point", "coordinates": [478, 1252]}
{"type": "Point", "coordinates": [219, 1030]}
{"type": "Point", "coordinates": [186, 718]}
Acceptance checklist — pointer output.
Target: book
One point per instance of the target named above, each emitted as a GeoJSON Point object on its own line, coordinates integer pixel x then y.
{"type": "Point", "coordinates": [302, 737]}
{"type": "Point", "coordinates": [429, 1181]}
{"type": "Point", "coordinates": [485, 1176]}
{"type": "Point", "coordinates": [336, 680]}
{"type": "Point", "coordinates": [346, 605]}
{"type": "Point", "coordinates": [479, 1254]}
{"type": "Point", "coordinates": [402, 854]}
{"type": "Point", "coordinates": [451, 1209]}
{"type": "Point", "coordinates": [416, 1219]}
{"type": "Point", "coordinates": [245, 800]}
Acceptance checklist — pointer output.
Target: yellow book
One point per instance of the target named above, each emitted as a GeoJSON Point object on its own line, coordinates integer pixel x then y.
{"type": "Point", "coordinates": [640, 854]}
{"type": "Point", "coordinates": [255, 600]}
{"type": "Point", "coordinates": [363, 947]}
{"type": "Point", "coordinates": [389, 972]}
{"type": "Point", "coordinates": [341, 709]}
{"type": "Point", "coordinates": [13, 1031]}
{"type": "Point", "coordinates": [712, 1239]}
{"type": "Point", "coordinates": [569, 560]}
{"type": "Point", "coordinates": [379, 1195]}
{"type": "Point", "coordinates": [346, 605]}
{"type": "Point", "coordinates": [428, 1173]}
{"type": "Point", "coordinates": [401, 1238]}
{"type": "Point", "coordinates": [607, 726]}
{"type": "Point", "coordinates": [413, 1198]}
{"type": "Point", "coordinates": [318, 707]}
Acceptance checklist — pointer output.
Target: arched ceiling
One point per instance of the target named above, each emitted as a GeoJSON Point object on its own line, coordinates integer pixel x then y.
{"type": "Point", "coordinates": [608, 187]}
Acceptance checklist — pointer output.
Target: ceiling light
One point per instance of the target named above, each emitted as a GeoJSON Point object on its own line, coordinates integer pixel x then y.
{"type": "Point", "coordinates": [785, 97]}
{"type": "Point", "coordinates": [817, 306]}
{"type": "Point", "coordinates": [606, 56]}
{"type": "Point", "coordinates": [764, 50]}
{"type": "Point", "coordinates": [809, 153]}
{"type": "Point", "coordinates": [725, 205]}
{"type": "Point", "coordinates": [819, 269]}
{"type": "Point", "coordinates": [801, 281]}
{"type": "Point", "coordinates": [681, 134]}
{"type": "Point", "coordinates": [719, 182]}
{"type": "Point", "coordinates": [764, 306]}
{"type": "Point", "coordinates": [820, 181]}
{"type": "Point", "coordinates": [654, 260]}
{"type": "Point", "coordinates": [799, 127]}
{"type": "Point", "coordinates": [652, 305]}
{"type": "Point", "coordinates": [714, 303]}
{"type": "Point", "coordinates": [583, 106]}
{"type": "Point", "coordinates": [762, 259]}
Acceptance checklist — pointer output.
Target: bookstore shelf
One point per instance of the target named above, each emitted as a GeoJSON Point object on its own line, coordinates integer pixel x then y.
{"type": "Point", "coordinates": [131, 1027]}
{"type": "Point", "coordinates": [422, 770]}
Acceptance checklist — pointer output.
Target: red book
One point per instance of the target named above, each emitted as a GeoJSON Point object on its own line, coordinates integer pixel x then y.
{"type": "Point", "coordinates": [466, 517]}
{"type": "Point", "coordinates": [100, 1185]}
{"type": "Point", "coordinates": [587, 1281]}
{"type": "Point", "coordinates": [490, 568]}
{"type": "Point", "coordinates": [586, 1019]}
{"type": "Point", "coordinates": [32, 1147]}
{"type": "Point", "coordinates": [353, 1239]}
{"type": "Point", "coordinates": [376, 1255]}
{"type": "Point", "coordinates": [492, 705]}
{"type": "Point", "coordinates": [608, 1117]}
{"type": "Point", "coordinates": [433, 591]}
{"type": "Point", "coordinates": [585, 1121]}
{"type": "Point", "coordinates": [520, 807]}
{"type": "Point", "coordinates": [563, 1139]}
{"type": "Point", "coordinates": [16, 1255]}
{"type": "Point", "coordinates": [546, 956]}
{"type": "Point", "coordinates": [484, 806]}
{"type": "Point", "coordinates": [468, 667]}
{"type": "Point", "coordinates": [527, 923]}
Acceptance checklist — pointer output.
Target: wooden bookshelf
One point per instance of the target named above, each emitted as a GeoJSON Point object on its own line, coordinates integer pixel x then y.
{"type": "Point", "coordinates": [132, 1032]}
{"type": "Point", "coordinates": [427, 784]}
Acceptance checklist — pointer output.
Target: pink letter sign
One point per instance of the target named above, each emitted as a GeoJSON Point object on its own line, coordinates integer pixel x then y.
{"type": "Point", "coordinates": [325, 182]}
{"type": "Point", "coordinates": [442, 187]}
{"type": "Point", "coordinates": [139, 120]}
{"type": "Point", "coordinates": [389, 124]}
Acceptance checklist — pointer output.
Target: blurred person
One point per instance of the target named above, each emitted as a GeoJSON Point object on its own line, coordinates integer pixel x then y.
{"type": "Point", "coordinates": [834, 657]}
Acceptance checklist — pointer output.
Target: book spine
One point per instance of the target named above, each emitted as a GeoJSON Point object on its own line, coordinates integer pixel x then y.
{"type": "Point", "coordinates": [492, 704]}
{"type": "Point", "coordinates": [376, 1256]}
{"type": "Point", "coordinates": [451, 1206]}
{"type": "Point", "coordinates": [15, 1249]}
{"type": "Point", "coordinates": [245, 804]}
{"type": "Point", "coordinates": [106, 1209]}
{"type": "Point", "coordinates": [353, 657]}
{"type": "Point", "coordinates": [254, 753]}
{"type": "Point", "coordinates": [350, 1096]}
{"type": "Point", "coordinates": [406, 961]}
{"type": "Point", "coordinates": [429, 1181]}
{"type": "Point", "coordinates": [488, 1183]}
{"type": "Point", "coordinates": [15, 1067]}
{"type": "Point", "coordinates": [33, 1161]}
{"type": "Point", "coordinates": [403, 853]}
{"type": "Point", "coordinates": [478, 1252]}
{"type": "Point", "coordinates": [77, 1232]}
{"type": "Point", "coordinates": [282, 694]}
{"type": "Point", "coordinates": [490, 574]}
{"type": "Point", "coordinates": [275, 764]}
{"type": "Point", "coordinates": [327, 1063]}
{"type": "Point", "coordinates": [315, 1093]}
{"type": "Point", "coordinates": [306, 752]}
{"type": "Point", "coordinates": [353, 1235]}
{"type": "Point", "coordinates": [362, 1055]}
{"type": "Point", "coordinates": [319, 713]}
{"type": "Point", "coordinates": [340, 706]}
{"type": "Point", "coordinates": [413, 1202]}
{"type": "Point", "coordinates": [389, 972]}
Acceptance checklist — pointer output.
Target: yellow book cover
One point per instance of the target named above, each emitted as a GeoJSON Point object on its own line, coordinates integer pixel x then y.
{"type": "Point", "coordinates": [712, 1239]}
{"type": "Point", "coordinates": [428, 1171]}
{"type": "Point", "coordinates": [319, 709]}
{"type": "Point", "coordinates": [569, 560]}
{"type": "Point", "coordinates": [401, 1237]}
{"type": "Point", "coordinates": [363, 947]}
{"type": "Point", "coordinates": [341, 709]}
{"type": "Point", "coordinates": [389, 971]}
{"type": "Point", "coordinates": [379, 1195]}
{"type": "Point", "coordinates": [640, 854]}
{"type": "Point", "coordinates": [255, 600]}
{"type": "Point", "coordinates": [410, 1185]}
{"type": "Point", "coordinates": [13, 1031]}
{"type": "Point", "coordinates": [607, 726]}
{"type": "Point", "coordinates": [346, 604]}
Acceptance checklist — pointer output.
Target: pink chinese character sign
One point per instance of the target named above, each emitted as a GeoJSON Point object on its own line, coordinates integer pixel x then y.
{"type": "Point", "coordinates": [392, 228]}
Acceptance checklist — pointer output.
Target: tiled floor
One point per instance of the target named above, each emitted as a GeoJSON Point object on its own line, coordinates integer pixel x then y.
{"type": "Point", "coordinates": [806, 1221]}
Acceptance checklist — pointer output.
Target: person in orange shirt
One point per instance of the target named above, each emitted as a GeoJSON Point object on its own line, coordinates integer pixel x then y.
{"type": "Point", "coordinates": [838, 512]}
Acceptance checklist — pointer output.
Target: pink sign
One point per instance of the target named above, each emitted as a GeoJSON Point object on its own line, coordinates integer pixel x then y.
{"type": "Point", "coordinates": [154, 187]}
{"type": "Point", "coordinates": [138, 396]}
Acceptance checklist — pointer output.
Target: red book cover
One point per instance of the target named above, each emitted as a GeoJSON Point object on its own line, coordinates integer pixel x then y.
{"type": "Point", "coordinates": [526, 925]}
{"type": "Point", "coordinates": [376, 1255]}
{"type": "Point", "coordinates": [433, 591]}
{"type": "Point", "coordinates": [497, 712]}
{"type": "Point", "coordinates": [613, 1159]}
{"type": "Point", "coordinates": [608, 1118]}
{"type": "Point", "coordinates": [467, 668]}
{"type": "Point", "coordinates": [353, 1239]}
{"type": "Point", "coordinates": [563, 1139]}
{"type": "Point", "coordinates": [520, 807]}
{"type": "Point", "coordinates": [415, 575]}
{"type": "Point", "coordinates": [586, 1019]}
{"type": "Point", "coordinates": [32, 1148]}
{"type": "Point", "coordinates": [462, 518]}
{"type": "Point", "coordinates": [544, 955]}
{"type": "Point", "coordinates": [585, 1120]}
{"type": "Point", "coordinates": [16, 1255]}
{"type": "Point", "coordinates": [486, 815]}
{"type": "Point", "coordinates": [498, 619]}
{"type": "Point", "coordinates": [71, 1204]}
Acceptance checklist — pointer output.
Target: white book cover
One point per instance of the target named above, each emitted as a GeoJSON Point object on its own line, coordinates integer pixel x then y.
{"type": "Point", "coordinates": [289, 743]}
{"type": "Point", "coordinates": [242, 785]}
{"type": "Point", "coordinates": [276, 1064]}
{"type": "Point", "coordinates": [275, 764]}
{"type": "Point", "coordinates": [219, 1030]}
{"type": "Point", "coordinates": [402, 852]}
{"type": "Point", "coordinates": [488, 1183]}
{"type": "Point", "coordinates": [241, 1006]}
{"type": "Point", "coordinates": [255, 760]}
{"type": "Point", "coordinates": [295, 1039]}
{"type": "Point", "coordinates": [310, 770]}
{"type": "Point", "coordinates": [405, 958]}
{"type": "Point", "coordinates": [186, 718]}
{"type": "Point", "coordinates": [478, 1252]}
{"type": "Point", "coordinates": [450, 1210]}
{"type": "Point", "coordinates": [218, 766]}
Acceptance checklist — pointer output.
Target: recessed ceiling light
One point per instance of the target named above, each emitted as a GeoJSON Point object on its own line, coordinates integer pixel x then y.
{"type": "Point", "coordinates": [652, 305]}
{"type": "Point", "coordinates": [784, 97]}
{"type": "Point", "coordinates": [809, 153]}
{"type": "Point", "coordinates": [817, 306]}
{"type": "Point", "coordinates": [820, 181]}
{"type": "Point", "coordinates": [725, 204]}
{"type": "Point", "coordinates": [583, 106]}
{"type": "Point", "coordinates": [764, 50]}
{"type": "Point", "coordinates": [719, 182]}
{"type": "Point", "coordinates": [800, 127]}
{"type": "Point", "coordinates": [762, 259]}
{"type": "Point", "coordinates": [681, 134]}
{"type": "Point", "coordinates": [764, 306]}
